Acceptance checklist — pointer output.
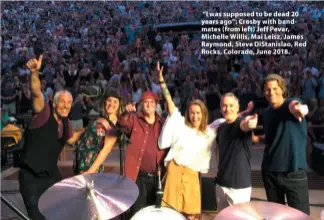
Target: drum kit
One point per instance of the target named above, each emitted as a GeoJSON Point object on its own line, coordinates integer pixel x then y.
{"type": "Point", "coordinates": [104, 196]}
{"type": "Point", "coordinates": [161, 213]}
{"type": "Point", "coordinates": [98, 196]}
{"type": "Point", "coordinates": [257, 210]}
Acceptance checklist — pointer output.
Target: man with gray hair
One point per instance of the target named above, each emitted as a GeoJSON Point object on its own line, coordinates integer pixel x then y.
{"type": "Point", "coordinates": [44, 139]}
{"type": "Point", "coordinates": [234, 141]}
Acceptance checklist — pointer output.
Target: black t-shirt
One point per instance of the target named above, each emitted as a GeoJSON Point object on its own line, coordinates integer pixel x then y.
{"type": "Point", "coordinates": [234, 169]}
{"type": "Point", "coordinates": [285, 140]}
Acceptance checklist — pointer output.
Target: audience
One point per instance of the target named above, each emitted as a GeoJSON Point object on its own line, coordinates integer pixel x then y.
{"type": "Point", "coordinates": [115, 45]}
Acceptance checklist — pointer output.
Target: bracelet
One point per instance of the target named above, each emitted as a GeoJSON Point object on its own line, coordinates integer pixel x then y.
{"type": "Point", "coordinates": [161, 82]}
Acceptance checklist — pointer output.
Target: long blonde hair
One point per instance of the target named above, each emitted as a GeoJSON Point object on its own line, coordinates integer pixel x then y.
{"type": "Point", "coordinates": [204, 115]}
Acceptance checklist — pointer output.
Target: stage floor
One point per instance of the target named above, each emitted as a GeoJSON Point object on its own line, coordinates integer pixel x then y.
{"type": "Point", "coordinates": [10, 186]}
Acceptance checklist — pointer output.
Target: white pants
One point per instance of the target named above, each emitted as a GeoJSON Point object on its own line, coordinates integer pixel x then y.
{"type": "Point", "coordinates": [228, 196]}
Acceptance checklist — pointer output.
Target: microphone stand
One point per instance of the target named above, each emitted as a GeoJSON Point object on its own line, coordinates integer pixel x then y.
{"type": "Point", "coordinates": [159, 191]}
{"type": "Point", "coordinates": [122, 141]}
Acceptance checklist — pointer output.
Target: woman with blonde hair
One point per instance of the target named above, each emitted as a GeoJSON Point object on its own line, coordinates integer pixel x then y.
{"type": "Point", "coordinates": [191, 142]}
{"type": "Point", "coordinates": [95, 144]}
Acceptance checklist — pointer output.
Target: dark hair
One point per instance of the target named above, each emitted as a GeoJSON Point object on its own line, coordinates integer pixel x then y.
{"type": "Point", "coordinates": [115, 94]}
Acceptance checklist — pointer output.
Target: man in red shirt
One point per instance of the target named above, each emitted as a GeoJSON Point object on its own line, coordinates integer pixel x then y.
{"type": "Point", "coordinates": [143, 153]}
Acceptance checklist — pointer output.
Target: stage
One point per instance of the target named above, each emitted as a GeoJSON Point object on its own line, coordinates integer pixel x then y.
{"type": "Point", "coordinates": [9, 184]}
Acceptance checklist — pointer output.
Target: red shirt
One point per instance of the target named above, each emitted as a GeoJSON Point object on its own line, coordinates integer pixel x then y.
{"type": "Point", "coordinates": [149, 157]}
{"type": "Point", "coordinates": [139, 132]}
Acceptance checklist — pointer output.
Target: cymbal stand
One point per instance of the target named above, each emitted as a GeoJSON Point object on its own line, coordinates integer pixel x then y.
{"type": "Point", "coordinates": [123, 141]}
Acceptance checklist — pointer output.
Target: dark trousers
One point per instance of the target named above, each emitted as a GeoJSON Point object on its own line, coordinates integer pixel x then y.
{"type": "Point", "coordinates": [32, 187]}
{"type": "Point", "coordinates": [147, 190]}
{"type": "Point", "coordinates": [293, 185]}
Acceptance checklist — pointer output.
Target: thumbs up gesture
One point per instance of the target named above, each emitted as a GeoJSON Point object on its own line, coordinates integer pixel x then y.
{"type": "Point", "coordinates": [34, 65]}
{"type": "Point", "coordinates": [252, 121]}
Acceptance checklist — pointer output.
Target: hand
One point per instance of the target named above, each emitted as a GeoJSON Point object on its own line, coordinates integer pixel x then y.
{"type": "Point", "coordinates": [252, 121]}
{"type": "Point", "coordinates": [299, 110]}
{"type": "Point", "coordinates": [250, 106]}
{"type": "Point", "coordinates": [131, 107]}
{"type": "Point", "coordinates": [160, 70]}
{"type": "Point", "coordinates": [34, 65]}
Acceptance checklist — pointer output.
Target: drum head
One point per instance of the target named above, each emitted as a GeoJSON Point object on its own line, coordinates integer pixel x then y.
{"type": "Point", "coordinates": [162, 213]}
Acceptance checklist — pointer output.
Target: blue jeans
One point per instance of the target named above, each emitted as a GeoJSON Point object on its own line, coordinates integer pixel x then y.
{"type": "Point", "coordinates": [293, 185]}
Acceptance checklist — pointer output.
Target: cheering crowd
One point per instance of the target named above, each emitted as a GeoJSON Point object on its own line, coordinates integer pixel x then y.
{"type": "Point", "coordinates": [81, 51]}
{"type": "Point", "coordinates": [160, 90]}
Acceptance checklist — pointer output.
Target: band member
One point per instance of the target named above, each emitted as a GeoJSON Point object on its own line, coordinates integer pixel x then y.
{"type": "Point", "coordinates": [143, 154]}
{"type": "Point", "coordinates": [94, 146]}
{"type": "Point", "coordinates": [191, 143]}
{"type": "Point", "coordinates": [284, 161]}
{"type": "Point", "coordinates": [234, 141]}
{"type": "Point", "coordinates": [44, 138]}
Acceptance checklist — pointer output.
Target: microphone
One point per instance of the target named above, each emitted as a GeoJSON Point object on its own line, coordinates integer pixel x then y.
{"type": "Point", "coordinates": [159, 191]}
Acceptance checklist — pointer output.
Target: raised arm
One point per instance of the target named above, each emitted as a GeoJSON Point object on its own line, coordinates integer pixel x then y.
{"type": "Point", "coordinates": [38, 101]}
{"type": "Point", "coordinates": [165, 91]}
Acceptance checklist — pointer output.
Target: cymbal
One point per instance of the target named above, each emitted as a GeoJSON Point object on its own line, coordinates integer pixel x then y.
{"type": "Point", "coordinates": [89, 197]}
{"type": "Point", "coordinates": [257, 210]}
